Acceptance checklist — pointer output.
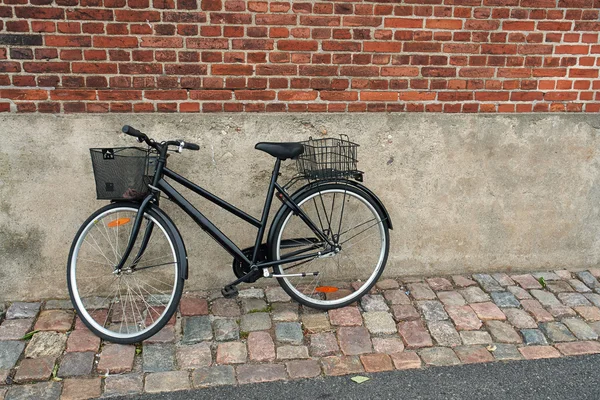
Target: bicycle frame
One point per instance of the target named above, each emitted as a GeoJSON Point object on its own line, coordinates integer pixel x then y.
{"type": "Point", "coordinates": [159, 184]}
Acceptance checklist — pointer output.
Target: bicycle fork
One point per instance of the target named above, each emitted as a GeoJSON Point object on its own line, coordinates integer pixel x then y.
{"type": "Point", "coordinates": [135, 230]}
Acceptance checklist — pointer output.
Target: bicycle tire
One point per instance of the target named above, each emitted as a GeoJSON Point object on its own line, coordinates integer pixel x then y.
{"type": "Point", "coordinates": [143, 295]}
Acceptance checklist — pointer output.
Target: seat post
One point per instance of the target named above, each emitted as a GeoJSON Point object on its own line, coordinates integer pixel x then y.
{"type": "Point", "coordinates": [267, 207]}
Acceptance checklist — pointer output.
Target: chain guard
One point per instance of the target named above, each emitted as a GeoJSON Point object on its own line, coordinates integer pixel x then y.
{"type": "Point", "coordinates": [241, 268]}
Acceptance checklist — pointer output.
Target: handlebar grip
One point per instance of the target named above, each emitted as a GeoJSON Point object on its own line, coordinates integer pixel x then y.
{"type": "Point", "coordinates": [128, 130]}
{"type": "Point", "coordinates": [191, 146]}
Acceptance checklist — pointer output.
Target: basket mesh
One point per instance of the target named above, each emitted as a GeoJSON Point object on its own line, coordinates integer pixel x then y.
{"type": "Point", "coordinates": [122, 173]}
{"type": "Point", "coordinates": [328, 158]}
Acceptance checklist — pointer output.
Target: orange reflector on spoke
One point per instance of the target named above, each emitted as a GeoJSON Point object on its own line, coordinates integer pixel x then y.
{"type": "Point", "coordinates": [326, 289]}
{"type": "Point", "coordinates": [118, 222]}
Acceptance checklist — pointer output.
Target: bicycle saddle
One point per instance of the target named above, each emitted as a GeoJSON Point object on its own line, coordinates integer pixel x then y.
{"type": "Point", "coordinates": [282, 151]}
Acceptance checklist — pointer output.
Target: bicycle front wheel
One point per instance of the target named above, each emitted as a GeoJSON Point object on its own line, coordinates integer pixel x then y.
{"type": "Point", "coordinates": [133, 304]}
{"type": "Point", "coordinates": [356, 226]}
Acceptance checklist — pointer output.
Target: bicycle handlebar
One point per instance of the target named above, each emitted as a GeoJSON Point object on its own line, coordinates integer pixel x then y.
{"type": "Point", "coordinates": [142, 137]}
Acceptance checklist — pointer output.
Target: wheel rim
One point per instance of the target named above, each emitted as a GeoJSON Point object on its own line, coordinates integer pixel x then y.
{"type": "Point", "coordinates": [326, 289]}
{"type": "Point", "coordinates": [131, 303]}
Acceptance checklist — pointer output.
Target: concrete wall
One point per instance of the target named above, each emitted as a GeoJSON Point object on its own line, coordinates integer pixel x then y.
{"type": "Point", "coordinates": [465, 192]}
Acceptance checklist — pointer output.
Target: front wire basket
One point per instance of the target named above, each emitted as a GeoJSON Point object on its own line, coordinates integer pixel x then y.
{"type": "Point", "coordinates": [329, 158]}
{"type": "Point", "coordinates": [123, 173]}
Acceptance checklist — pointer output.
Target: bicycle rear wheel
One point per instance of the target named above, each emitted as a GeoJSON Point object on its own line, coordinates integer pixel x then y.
{"type": "Point", "coordinates": [351, 219]}
{"type": "Point", "coordinates": [131, 305]}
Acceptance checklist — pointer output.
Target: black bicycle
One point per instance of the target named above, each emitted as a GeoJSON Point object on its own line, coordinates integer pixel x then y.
{"type": "Point", "coordinates": [327, 245]}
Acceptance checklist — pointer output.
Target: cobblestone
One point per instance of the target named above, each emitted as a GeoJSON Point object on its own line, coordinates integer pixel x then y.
{"type": "Point", "coordinates": [406, 360]}
{"type": "Point", "coordinates": [593, 298]}
{"type": "Point", "coordinates": [193, 306]}
{"type": "Point", "coordinates": [396, 296]}
{"type": "Point", "coordinates": [580, 329]}
{"type": "Point", "coordinates": [123, 385]}
{"type": "Point", "coordinates": [588, 313]}
{"type": "Point", "coordinates": [474, 294]}
{"type": "Point", "coordinates": [557, 332]}
{"type": "Point", "coordinates": [341, 365]}
{"type": "Point", "coordinates": [255, 322]}
{"type": "Point", "coordinates": [519, 318]}
{"type": "Point", "coordinates": [54, 320]}
{"type": "Point", "coordinates": [44, 344]}
{"type": "Point", "coordinates": [14, 329]}
{"type": "Point", "coordinates": [38, 391]}
{"type": "Point", "coordinates": [282, 312]}
{"type": "Point", "coordinates": [316, 322]}
{"type": "Point", "coordinates": [503, 279]}
{"type": "Point", "coordinates": [376, 362]}
{"type": "Point", "coordinates": [251, 305]}
{"type": "Point", "coordinates": [194, 356]}
{"type": "Point", "coordinates": [292, 352]}
{"type": "Point", "coordinates": [561, 312]}
{"type": "Point", "coordinates": [75, 364]}
{"type": "Point", "coordinates": [462, 281]}
{"type": "Point", "coordinates": [579, 286]}
{"type": "Point", "coordinates": [231, 353]}
{"type": "Point", "coordinates": [386, 284]}
{"type": "Point", "coordinates": [387, 345]}
{"type": "Point", "coordinates": [414, 334]}
{"type": "Point", "coordinates": [213, 376]}
{"type": "Point", "coordinates": [438, 284]}
{"type": "Point", "coordinates": [346, 316]}
{"type": "Point", "coordinates": [22, 310]}
{"type": "Point", "coordinates": [503, 333]}
{"type": "Point", "coordinates": [354, 340]}
{"type": "Point", "coordinates": [303, 369]}
{"type": "Point", "coordinates": [260, 373]}
{"type": "Point", "coordinates": [421, 291]}
{"type": "Point", "coordinates": [226, 329]}
{"type": "Point", "coordinates": [559, 287]}
{"type": "Point", "coordinates": [252, 293]}
{"type": "Point", "coordinates": [197, 329]}
{"type": "Point", "coordinates": [533, 336]}
{"type": "Point", "coordinates": [464, 317]}
{"type": "Point", "coordinates": [261, 347]}
{"type": "Point", "coordinates": [505, 299]}
{"type": "Point", "coordinates": [323, 344]}
{"type": "Point", "coordinates": [587, 278]}
{"type": "Point", "coordinates": [526, 281]}
{"type": "Point", "coordinates": [289, 332]}
{"type": "Point", "coordinates": [475, 337]}
{"type": "Point", "coordinates": [116, 359]}
{"type": "Point", "coordinates": [167, 381]}
{"type": "Point", "coordinates": [537, 352]}
{"type": "Point", "coordinates": [547, 299]}
{"type": "Point", "coordinates": [276, 295]}
{"type": "Point", "coordinates": [578, 348]}
{"type": "Point", "coordinates": [519, 292]}
{"type": "Point", "coordinates": [488, 283]}
{"type": "Point", "coordinates": [473, 354]}
{"type": "Point", "coordinates": [158, 357]}
{"type": "Point", "coordinates": [81, 388]}
{"type": "Point", "coordinates": [36, 369]}
{"type": "Point", "coordinates": [488, 311]}
{"type": "Point", "coordinates": [403, 312]}
{"type": "Point", "coordinates": [444, 333]}
{"type": "Point", "coordinates": [536, 310]}
{"type": "Point", "coordinates": [547, 276]}
{"type": "Point", "coordinates": [82, 340]}
{"type": "Point", "coordinates": [573, 299]}
{"type": "Point", "coordinates": [451, 298]}
{"type": "Point", "coordinates": [504, 352]}
{"type": "Point", "coordinates": [379, 322]}
{"type": "Point", "coordinates": [373, 302]}
{"type": "Point", "coordinates": [225, 308]}
{"type": "Point", "coordinates": [432, 310]}
{"type": "Point", "coordinates": [439, 356]}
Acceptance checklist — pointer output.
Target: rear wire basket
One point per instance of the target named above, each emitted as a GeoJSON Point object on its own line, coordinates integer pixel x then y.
{"type": "Point", "coordinates": [329, 158]}
{"type": "Point", "coordinates": [123, 173]}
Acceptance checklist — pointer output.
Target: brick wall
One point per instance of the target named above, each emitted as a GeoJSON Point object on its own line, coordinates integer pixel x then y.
{"type": "Point", "coordinates": [331, 56]}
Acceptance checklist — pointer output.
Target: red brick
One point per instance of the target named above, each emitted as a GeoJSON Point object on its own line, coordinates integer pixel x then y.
{"type": "Point", "coordinates": [578, 348]}
{"type": "Point", "coordinates": [376, 362]}
{"type": "Point", "coordinates": [537, 352]}
{"type": "Point", "coordinates": [433, 23]}
{"type": "Point", "coordinates": [406, 360]}
{"type": "Point", "coordinates": [412, 23]}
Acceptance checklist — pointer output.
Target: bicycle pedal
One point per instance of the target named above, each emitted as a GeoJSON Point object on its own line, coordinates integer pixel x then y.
{"type": "Point", "coordinates": [229, 291]}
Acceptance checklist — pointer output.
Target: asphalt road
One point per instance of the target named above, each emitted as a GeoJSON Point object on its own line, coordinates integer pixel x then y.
{"type": "Point", "coordinates": [563, 378]}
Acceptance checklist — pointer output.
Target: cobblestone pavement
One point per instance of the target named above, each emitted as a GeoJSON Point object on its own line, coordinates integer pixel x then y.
{"type": "Point", "coordinates": [263, 336]}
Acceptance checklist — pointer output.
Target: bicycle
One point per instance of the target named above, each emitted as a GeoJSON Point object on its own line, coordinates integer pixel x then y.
{"type": "Point", "coordinates": [128, 262]}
